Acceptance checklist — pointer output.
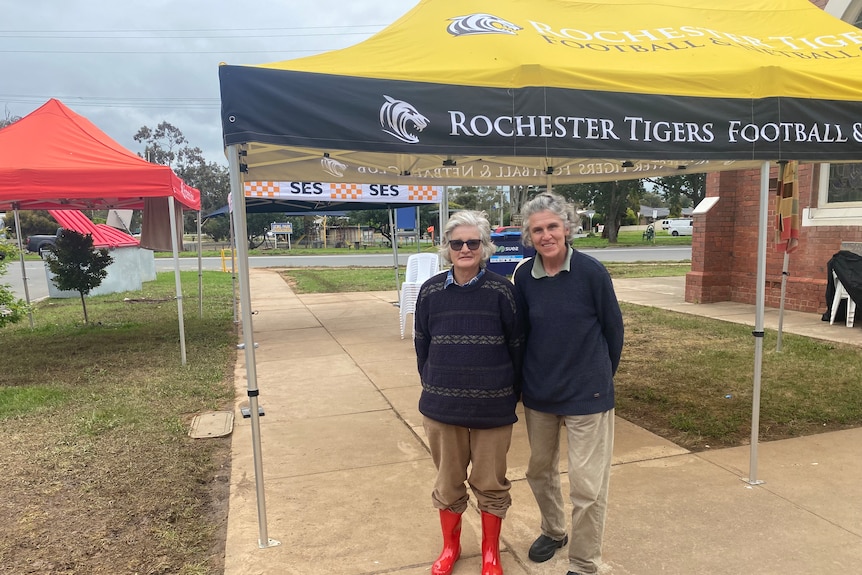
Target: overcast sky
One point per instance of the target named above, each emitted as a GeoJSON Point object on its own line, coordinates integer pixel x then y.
{"type": "Point", "coordinates": [125, 65]}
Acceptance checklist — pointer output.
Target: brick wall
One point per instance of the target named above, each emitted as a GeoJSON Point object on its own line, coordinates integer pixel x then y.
{"type": "Point", "coordinates": [724, 246]}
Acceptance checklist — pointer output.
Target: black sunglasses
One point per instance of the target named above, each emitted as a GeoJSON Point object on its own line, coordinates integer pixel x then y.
{"type": "Point", "coordinates": [458, 244]}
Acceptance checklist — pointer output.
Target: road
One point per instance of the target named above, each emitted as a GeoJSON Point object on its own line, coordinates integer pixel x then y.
{"type": "Point", "coordinates": [38, 281]}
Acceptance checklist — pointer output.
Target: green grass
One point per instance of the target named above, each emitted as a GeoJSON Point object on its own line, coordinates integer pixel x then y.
{"type": "Point", "coordinates": [94, 423]}
{"type": "Point", "coordinates": [215, 249]}
{"type": "Point", "coordinates": [690, 379]}
{"type": "Point", "coordinates": [627, 239]}
{"type": "Point", "coordinates": [333, 280]}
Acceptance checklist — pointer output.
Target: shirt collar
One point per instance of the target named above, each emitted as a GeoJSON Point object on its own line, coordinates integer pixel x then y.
{"type": "Point", "coordinates": [539, 268]}
{"type": "Point", "coordinates": [450, 279]}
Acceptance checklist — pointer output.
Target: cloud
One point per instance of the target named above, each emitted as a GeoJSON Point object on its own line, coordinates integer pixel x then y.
{"type": "Point", "coordinates": [125, 66]}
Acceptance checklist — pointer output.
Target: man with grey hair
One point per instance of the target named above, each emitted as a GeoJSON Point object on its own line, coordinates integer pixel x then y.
{"type": "Point", "coordinates": [469, 344]}
{"type": "Point", "coordinates": [574, 342]}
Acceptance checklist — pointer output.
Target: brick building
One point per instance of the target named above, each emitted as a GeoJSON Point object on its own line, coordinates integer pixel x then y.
{"type": "Point", "coordinates": [724, 246]}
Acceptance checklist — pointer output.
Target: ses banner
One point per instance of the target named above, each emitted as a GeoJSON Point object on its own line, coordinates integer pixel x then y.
{"type": "Point", "coordinates": [340, 192]}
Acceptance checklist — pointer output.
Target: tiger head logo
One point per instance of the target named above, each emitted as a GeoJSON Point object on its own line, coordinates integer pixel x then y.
{"type": "Point", "coordinates": [481, 24]}
{"type": "Point", "coordinates": [332, 166]}
{"type": "Point", "coordinates": [396, 117]}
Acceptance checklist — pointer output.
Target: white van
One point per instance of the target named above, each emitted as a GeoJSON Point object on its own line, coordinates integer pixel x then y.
{"type": "Point", "coordinates": [680, 227]}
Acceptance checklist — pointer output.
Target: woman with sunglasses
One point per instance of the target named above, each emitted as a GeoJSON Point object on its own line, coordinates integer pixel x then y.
{"type": "Point", "coordinates": [469, 344]}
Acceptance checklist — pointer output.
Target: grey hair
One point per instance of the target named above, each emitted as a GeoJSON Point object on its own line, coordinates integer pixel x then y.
{"type": "Point", "coordinates": [468, 218]}
{"type": "Point", "coordinates": [547, 202]}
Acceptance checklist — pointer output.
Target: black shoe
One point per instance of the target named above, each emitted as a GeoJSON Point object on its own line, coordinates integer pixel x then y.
{"type": "Point", "coordinates": [544, 548]}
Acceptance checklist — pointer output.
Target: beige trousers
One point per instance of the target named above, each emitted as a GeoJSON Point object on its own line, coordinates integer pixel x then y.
{"type": "Point", "coordinates": [591, 443]}
{"type": "Point", "coordinates": [453, 448]}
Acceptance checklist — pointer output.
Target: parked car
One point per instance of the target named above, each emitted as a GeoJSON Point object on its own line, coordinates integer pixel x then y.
{"type": "Point", "coordinates": [680, 227]}
{"type": "Point", "coordinates": [41, 244]}
{"type": "Point", "coordinates": [665, 224]}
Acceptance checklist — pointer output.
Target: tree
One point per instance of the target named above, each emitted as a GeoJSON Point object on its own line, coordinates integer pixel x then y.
{"type": "Point", "coordinates": [681, 191]}
{"type": "Point", "coordinates": [612, 199]}
{"type": "Point", "coordinates": [8, 118]}
{"type": "Point", "coordinates": [518, 196]}
{"type": "Point", "coordinates": [77, 265]}
{"type": "Point", "coordinates": [32, 222]}
{"type": "Point", "coordinates": [12, 310]}
{"type": "Point", "coordinates": [167, 145]}
{"type": "Point", "coordinates": [377, 220]}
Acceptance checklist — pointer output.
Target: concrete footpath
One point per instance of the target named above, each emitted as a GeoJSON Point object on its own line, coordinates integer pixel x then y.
{"type": "Point", "coordinates": [348, 476]}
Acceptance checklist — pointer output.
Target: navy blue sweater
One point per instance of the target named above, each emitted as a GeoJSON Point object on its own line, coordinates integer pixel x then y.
{"type": "Point", "coordinates": [469, 345]}
{"type": "Point", "coordinates": [574, 338]}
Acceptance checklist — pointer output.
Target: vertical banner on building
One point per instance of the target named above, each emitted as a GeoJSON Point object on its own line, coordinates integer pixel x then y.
{"type": "Point", "coordinates": [786, 229]}
{"type": "Point", "coordinates": [787, 208]}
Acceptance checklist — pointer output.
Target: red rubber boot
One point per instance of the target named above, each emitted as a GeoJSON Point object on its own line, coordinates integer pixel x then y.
{"type": "Point", "coordinates": [450, 523]}
{"type": "Point", "coordinates": [491, 564]}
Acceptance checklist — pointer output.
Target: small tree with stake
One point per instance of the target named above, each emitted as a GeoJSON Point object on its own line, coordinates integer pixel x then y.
{"type": "Point", "coordinates": [77, 265]}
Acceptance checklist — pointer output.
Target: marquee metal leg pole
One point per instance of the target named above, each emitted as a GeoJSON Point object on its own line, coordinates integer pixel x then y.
{"type": "Point", "coordinates": [23, 267]}
{"type": "Point", "coordinates": [200, 270]}
{"type": "Point", "coordinates": [784, 274]}
{"type": "Point", "coordinates": [782, 166]}
{"type": "Point", "coordinates": [394, 251]}
{"type": "Point", "coordinates": [178, 283]}
{"type": "Point", "coordinates": [758, 322]}
{"type": "Point", "coordinates": [238, 217]}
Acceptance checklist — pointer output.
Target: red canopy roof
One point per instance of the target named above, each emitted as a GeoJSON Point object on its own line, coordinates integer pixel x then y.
{"type": "Point", "coordinates": [104, 236]}
{"type": "Point", "coordinates": [56, 159]}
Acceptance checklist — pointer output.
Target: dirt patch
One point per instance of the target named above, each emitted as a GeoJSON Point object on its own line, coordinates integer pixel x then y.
{"type": "Point", "coordinates": [94, 506]}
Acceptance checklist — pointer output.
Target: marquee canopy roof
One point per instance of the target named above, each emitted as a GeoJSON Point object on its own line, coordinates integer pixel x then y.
{"type": "Point", "coordinates": [460, 92]}
{"type": "Point", "coordinates": [54, 158]}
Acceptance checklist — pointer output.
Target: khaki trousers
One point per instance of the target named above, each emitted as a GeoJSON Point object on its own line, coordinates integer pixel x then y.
{"type": "Point", "coordinates": [591, 443]}
{"type": "Point", "coordinates": [453, 448]}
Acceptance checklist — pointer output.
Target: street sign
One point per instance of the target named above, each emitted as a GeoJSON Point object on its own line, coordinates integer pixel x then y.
{"type": "Point", "coordinates": [281, 227]}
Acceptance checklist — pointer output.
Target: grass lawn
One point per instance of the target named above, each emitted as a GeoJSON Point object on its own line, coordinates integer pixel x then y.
{"type": "Point", "coordinates": [99, 473]}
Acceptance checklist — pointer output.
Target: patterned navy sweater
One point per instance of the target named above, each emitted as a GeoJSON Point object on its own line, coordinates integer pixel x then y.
{"type": "Point", "coordinates": [469, 345]}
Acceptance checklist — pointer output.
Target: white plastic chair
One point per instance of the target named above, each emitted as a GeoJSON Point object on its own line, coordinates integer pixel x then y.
{"type": "Point", "coordinates": [420, 267]}
{"type": "Point", "coordinates": [841, 293]}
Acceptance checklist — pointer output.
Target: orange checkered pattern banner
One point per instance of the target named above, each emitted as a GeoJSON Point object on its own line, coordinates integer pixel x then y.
{"type": "Point", "coordinates": [262, 189]}
{"type": "Point", "coordinates": [423, 194]}
{"type": "Point", "coordinates": [345, 192]}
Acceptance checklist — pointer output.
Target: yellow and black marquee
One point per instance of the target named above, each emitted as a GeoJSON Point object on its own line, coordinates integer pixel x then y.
{"type": "Point", "coordinates": [507, 92]}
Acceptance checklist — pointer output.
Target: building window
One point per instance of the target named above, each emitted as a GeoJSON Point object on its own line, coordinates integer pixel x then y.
{"type": "Point", "coordinates": [839, 197]}
{"type": "Point", "coordinates": [845, 183]}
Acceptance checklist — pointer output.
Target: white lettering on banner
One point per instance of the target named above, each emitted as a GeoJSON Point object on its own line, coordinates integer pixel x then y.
{"type": "Point", "coordinates": [785, 132]}
{"type": "Point", "coordinates": [648, 130]}
{"type": "Point", "coordinates": [342, 192]}
{"type": "Point", "coordinates": [650, 37]}
{"type": "Point", "coordinates": [531, 126]}
{"type": "Point", "coordinates": [601, 168]}
{"type": "Point", "coordinates": [639, 130]}
{"type": "Point", "coordinates": [574, 127]}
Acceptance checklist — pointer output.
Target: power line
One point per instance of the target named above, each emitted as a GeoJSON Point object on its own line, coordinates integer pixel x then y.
{"type": "Point", "coordinates": [197, 37]}
{"type": "Point", "coordinates": [191, 29]}
{"type": "Point", "coordinates": [173, 52]}
{"type": "Point", "coordinates": [120, 102]}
